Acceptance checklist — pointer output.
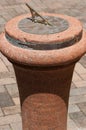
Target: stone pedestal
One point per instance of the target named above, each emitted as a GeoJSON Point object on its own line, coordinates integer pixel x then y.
{"type": "Point", "coordinates": [43, 58]}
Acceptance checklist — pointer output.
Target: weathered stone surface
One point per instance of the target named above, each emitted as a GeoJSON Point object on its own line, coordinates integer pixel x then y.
{"type": "Point", "coordinates": [16, 126]}
{"type": "Point", "coordinates": [73, 108]}
{"type": "Point", "coordinates": [5, 100]}
{"type": "Point", "coordinates": [11, 110]}
{"type": "Point", "coordinates": [12, 90]}
{"type": "Point", "coordinates": [10, 119]}
{"type": "Point", "coordinates": [5, 127]}
{"type": "Point", "coordinates": [1, 113]}
{"type": "Point", "coordinates": [79, 119]}
{"type": "Point", "coordinates": [77, 99]}
{"type": "Point", "coordinates": [7, 81]}
{"type": "Point", "coordinates": [16, 101]}
{"type": "Point", "coordinates": [82, 107]}
{"type": "Point", "coordinates": [79, 91]}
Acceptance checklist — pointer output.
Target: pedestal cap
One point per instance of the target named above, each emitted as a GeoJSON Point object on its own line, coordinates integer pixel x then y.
{"type": "Point", "coordinates": [35, 44]}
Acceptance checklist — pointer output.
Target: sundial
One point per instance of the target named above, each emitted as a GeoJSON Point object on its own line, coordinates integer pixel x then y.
{"type": "Point", "coordinates": [38, 31]}
{"type": "Point", "coordinates": [35, 14]}
{"type": "Point", "coordinates": [38, 24]}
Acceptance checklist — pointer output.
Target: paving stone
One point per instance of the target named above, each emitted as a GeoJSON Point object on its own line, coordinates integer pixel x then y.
{"type": "Point", "coordinates": [71, 125]}
{"type": "Point", "coordinates": [1, 113]}
{"type": "Point", "coordinates": [6, 81]}
{"type": "Point", "coordinates": [76, 77]}
{"type": "Point", "coordinates": [39, 5]}
{"type": "Point", "coordinates": [3, 68]}
{"type": "Point", "coordinates": [24, 8]}
{"type": "Point", "coordinates": [6, 16]}
{"type": "Point", "coordinates": [73, 85]}
{"type": "Point", "coordinates": [73, 108]}
{"type": "Point", "coordinates": [5, 60]}
{"type": "Point", "coordinates": [0, 7]}
{"type": "Point", "coordinates": [2, 89]}
{"type": "Point", "coordinates": [3, 2]}
{"type": "Point", "coordinates": [5, 100]}
{"type": "Point", "coordinates": [8, 74]}
{"type": "Point", "coordinates": [5, 127]}
{"type": "Point", "coordinates": [16, 126]}
{"type": "Point", "coordinates": [80, 69]}
{"type": "Point", "coordinates": [12, 12]}
{"type": "Point", "coordinates": [83, 61]}
{"type": "Point", "coordinates": [77, 99]}
{"type": "Point", "coordinates": [11, 2]}
{"type": "Point", "coordinates": [83, 76]}
{"type": "Point", "coordinates": [80, 83]}
{"type": "Point", "coordinates": [10, 119]}
{"type": "Point", "coordinates": [13, 6]}
{"type": "Point", "coordinates": [10, 68]}
{"type": "Point", "coordinates": [78, 91]}
{"type": "Point", "coordinates": [1, 28]}
{"type": "Point", "coordinates": [20, 1]}
{"type": "Point", "coordinates": [82, 107]}
{"type": "Point", "coordinates": [13, 90]}
{"type": "Point", "coordinates": [19, 10]}
{"type": "Point", "coordinates": [11, 110]}
{"type": "Point", "coordinates": [16, 101]}
{"type": "Point", "coordinates": [79, 118]}
{"type": "Point", "coordinates": [53, 2]}
{"type": "Point", "coordinates": [2, 21]}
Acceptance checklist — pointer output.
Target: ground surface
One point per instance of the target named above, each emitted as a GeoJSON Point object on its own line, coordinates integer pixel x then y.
{"type": "Point", "coordinates": [10, 118]}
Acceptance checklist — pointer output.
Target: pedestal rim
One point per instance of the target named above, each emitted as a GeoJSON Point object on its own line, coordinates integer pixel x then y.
{"type": "Point", "coordinates": [12, 29]}
{"type": "Point", "coordinates": [43, 58]}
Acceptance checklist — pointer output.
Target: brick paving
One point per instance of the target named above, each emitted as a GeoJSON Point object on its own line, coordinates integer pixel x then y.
{"type": "Point", "coordinates": [10, 113]}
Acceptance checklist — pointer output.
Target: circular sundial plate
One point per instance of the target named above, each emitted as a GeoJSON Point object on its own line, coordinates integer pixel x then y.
{"type": "Point", "coordinates": [22, 32]}
{"type": "Point", "coordinates": [58, 25]}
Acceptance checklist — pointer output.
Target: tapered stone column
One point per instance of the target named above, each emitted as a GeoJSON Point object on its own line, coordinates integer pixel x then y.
{"type": "Point", "coordinates": [44, 58]}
